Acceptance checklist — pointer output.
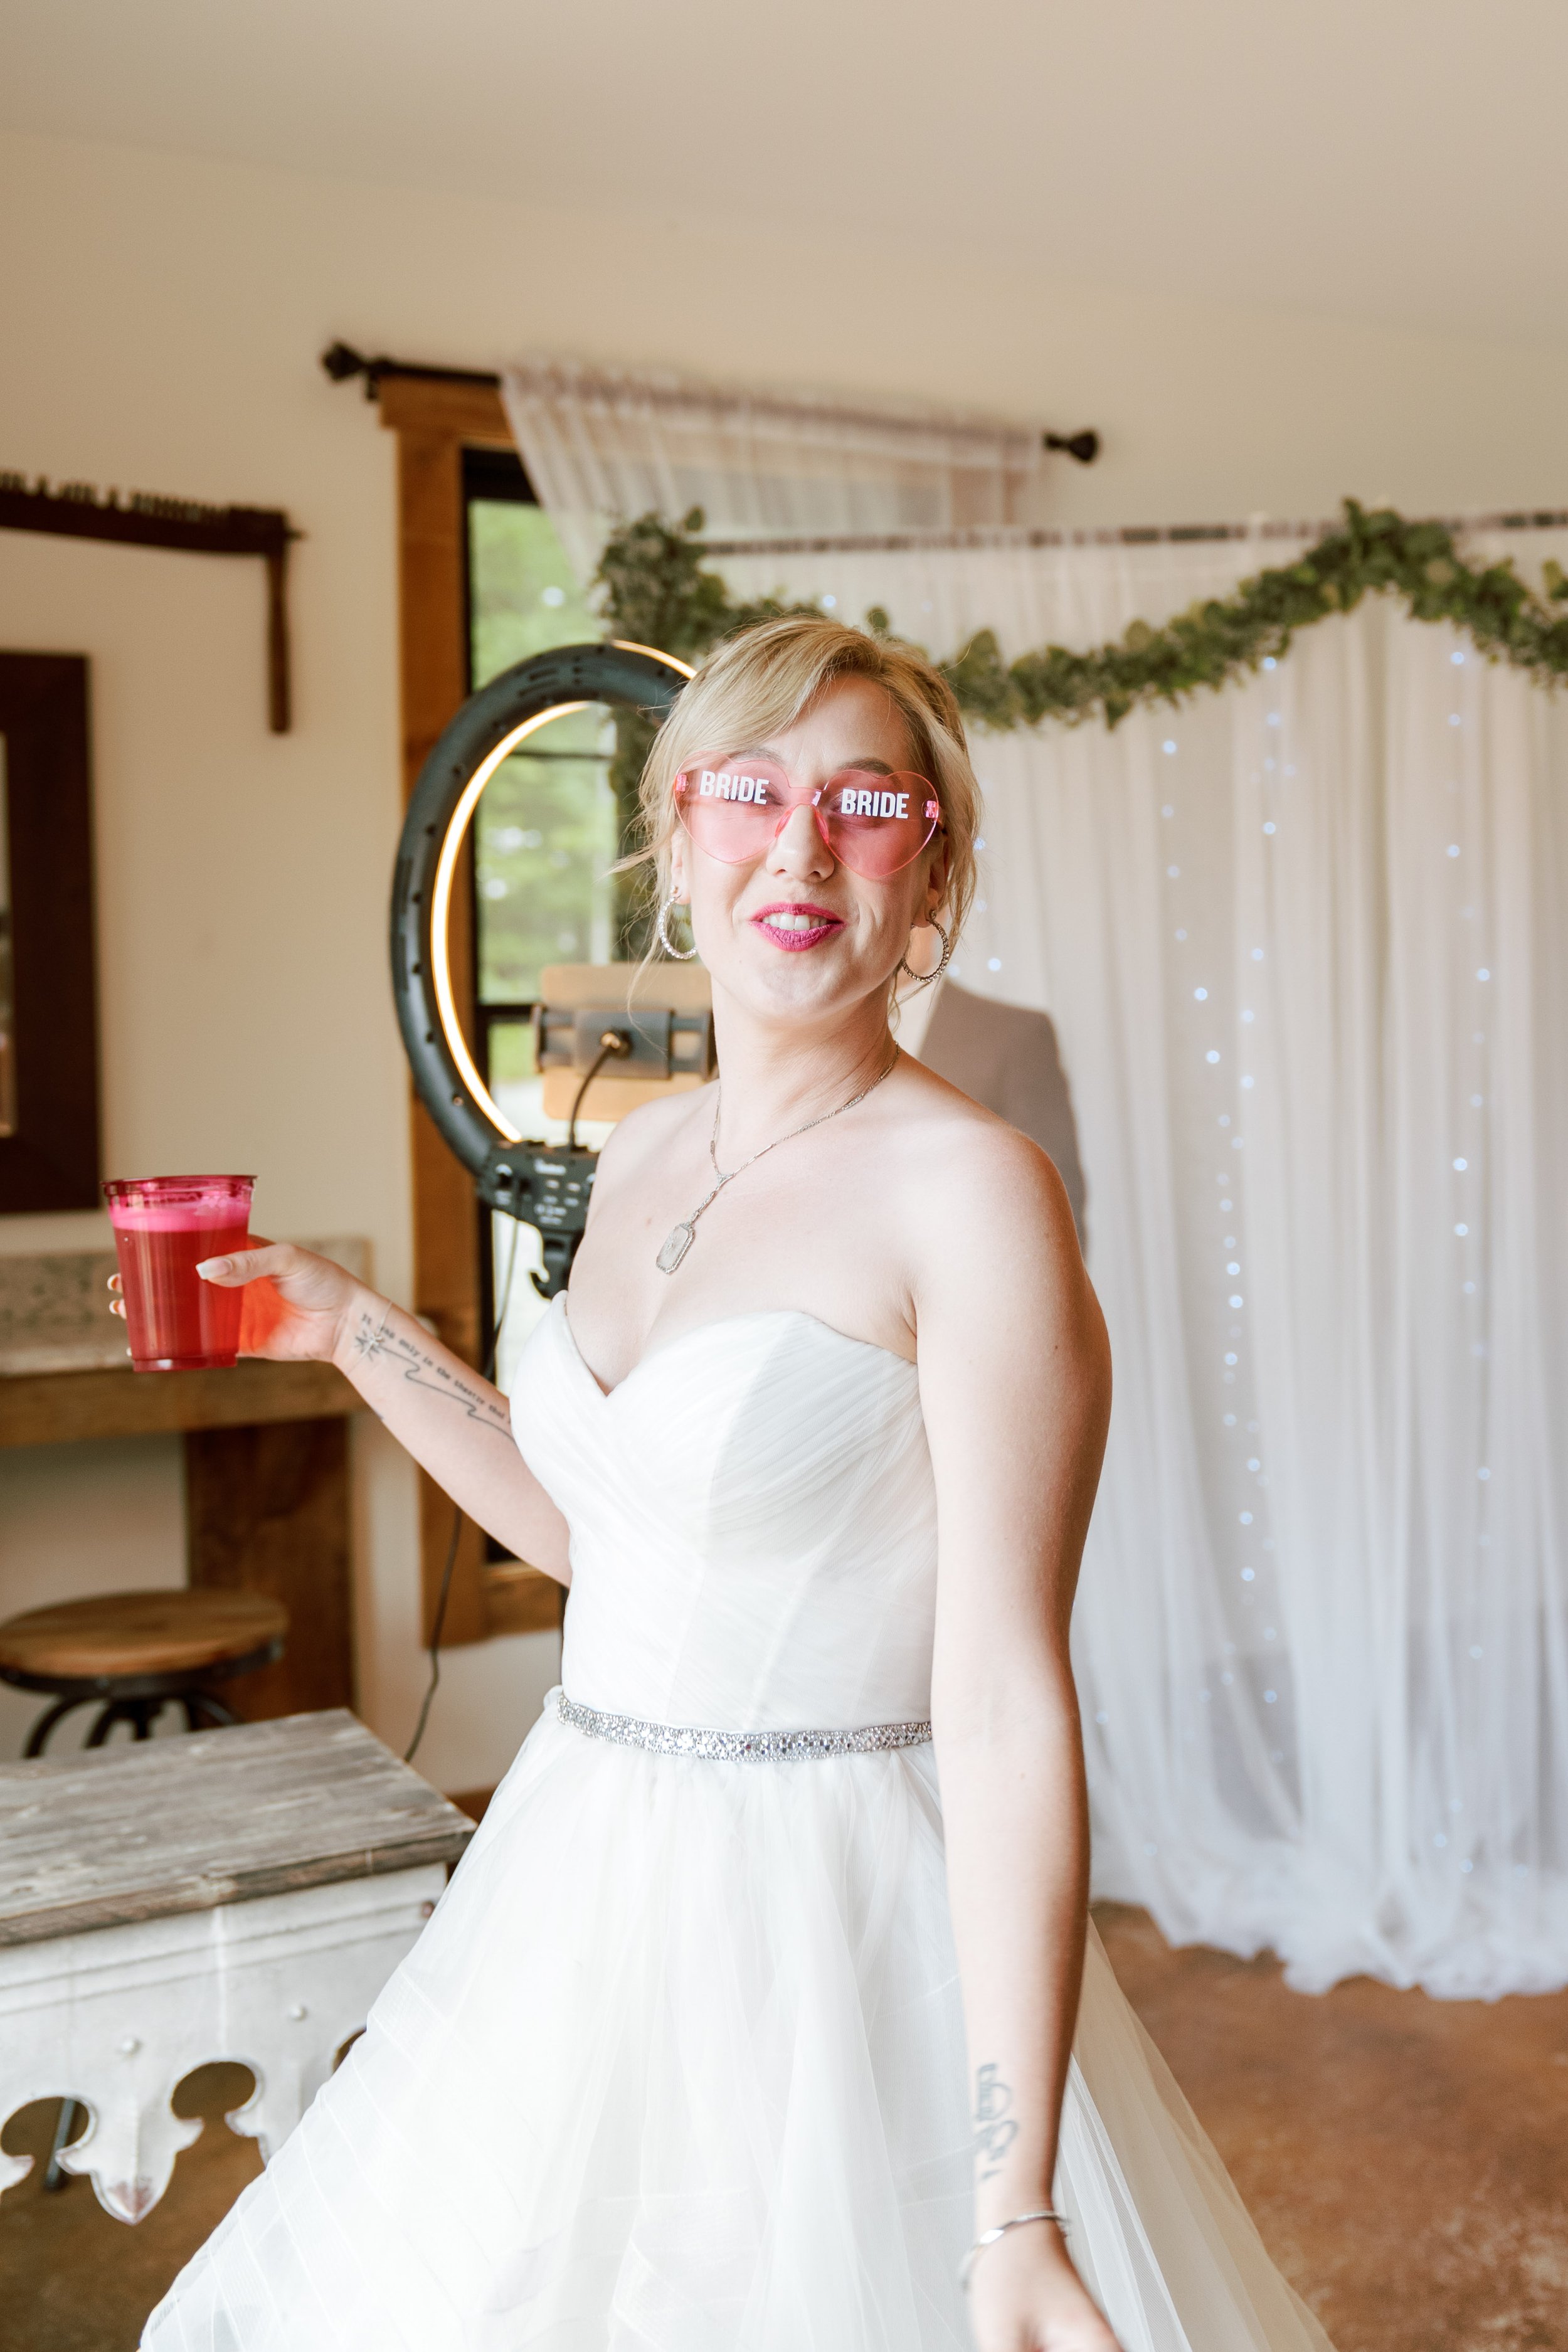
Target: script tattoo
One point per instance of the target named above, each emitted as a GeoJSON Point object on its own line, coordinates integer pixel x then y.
{"type": "Point", "coordinates": [377, 1344]}
{"type": "Point", "coordinates": [995, 2128]}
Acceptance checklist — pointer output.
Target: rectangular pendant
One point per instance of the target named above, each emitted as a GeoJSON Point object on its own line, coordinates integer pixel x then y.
{"type": "Point", "coordinates": [675, 1248]}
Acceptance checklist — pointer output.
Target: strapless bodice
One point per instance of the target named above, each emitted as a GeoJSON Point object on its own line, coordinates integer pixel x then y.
{"type": "Point", "coordinates": [752, 1519]}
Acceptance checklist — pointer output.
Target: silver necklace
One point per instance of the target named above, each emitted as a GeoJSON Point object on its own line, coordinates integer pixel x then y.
{"type": "Point", "coordinates": [681, 1237]}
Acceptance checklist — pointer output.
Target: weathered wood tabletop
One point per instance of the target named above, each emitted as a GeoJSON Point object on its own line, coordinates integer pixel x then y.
{"type": "Point", "coordinates": [189, 1822]}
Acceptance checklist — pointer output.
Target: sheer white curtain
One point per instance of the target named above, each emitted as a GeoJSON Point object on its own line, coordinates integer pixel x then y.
{"type": "Point", "coordinates": [1303, 945]}
{"type": "Point", "coordinates": [600, 445]}
{"type": "Point", "coordinates": [1302, 942]}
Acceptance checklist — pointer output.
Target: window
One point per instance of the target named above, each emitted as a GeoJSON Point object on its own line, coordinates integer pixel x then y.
{"type": "Point", "coordinates": [544, 835]}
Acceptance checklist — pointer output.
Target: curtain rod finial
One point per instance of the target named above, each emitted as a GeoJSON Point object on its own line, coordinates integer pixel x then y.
{"type": "Point", "coordinates": [342, 362]}
{"type": "Point", "coordinates": [1084, 447]}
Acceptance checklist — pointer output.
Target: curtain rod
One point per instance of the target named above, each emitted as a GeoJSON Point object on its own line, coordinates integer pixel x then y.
{"type": "Point", "coordinates": [1128, 535]}
{"type": "Point", "coordinates": [678, 396]}
{"type": "Point", "coordinates": [342, 364]}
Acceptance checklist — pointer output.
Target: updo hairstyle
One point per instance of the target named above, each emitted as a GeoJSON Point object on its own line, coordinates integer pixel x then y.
{"type": "Point", "coordinates": [758, 682]}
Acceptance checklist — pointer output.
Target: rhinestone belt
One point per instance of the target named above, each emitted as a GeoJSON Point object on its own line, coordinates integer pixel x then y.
{"type": "Point", "coordinates": [739, 1746]}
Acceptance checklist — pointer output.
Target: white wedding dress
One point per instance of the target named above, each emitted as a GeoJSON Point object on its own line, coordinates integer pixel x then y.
{"type": "Point", "coordinates": [678, 2064]}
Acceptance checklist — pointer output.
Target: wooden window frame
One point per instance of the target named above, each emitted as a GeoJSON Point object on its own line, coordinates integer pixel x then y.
{"type": "Point", "coordinates": [435, 422]}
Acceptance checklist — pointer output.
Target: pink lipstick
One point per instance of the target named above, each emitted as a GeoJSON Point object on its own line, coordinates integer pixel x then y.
{"type": "Point", "coordinates": [793, 924]}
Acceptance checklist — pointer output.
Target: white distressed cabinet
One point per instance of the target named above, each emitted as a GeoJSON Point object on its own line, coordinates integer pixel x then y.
{"type": "Point", "coordinates": [240, 1895]}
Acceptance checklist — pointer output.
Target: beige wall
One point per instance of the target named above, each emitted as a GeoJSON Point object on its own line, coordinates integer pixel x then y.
{"type": "Point", "coordinates": [161, 318]}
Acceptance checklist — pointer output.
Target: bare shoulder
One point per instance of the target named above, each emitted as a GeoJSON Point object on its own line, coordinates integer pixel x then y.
{"type": "Point", "coordinates": [993, 1244]}
{"type": "Point", "coordinates": [990, 1182]}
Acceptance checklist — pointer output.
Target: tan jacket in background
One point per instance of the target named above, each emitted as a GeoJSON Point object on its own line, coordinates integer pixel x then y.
{"type": "Point", "coordinates": [1005, 1056]}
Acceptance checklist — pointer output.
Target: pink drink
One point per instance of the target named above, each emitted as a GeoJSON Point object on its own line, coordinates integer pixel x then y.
{"type": "Point", "coordinates": [163, 1227]}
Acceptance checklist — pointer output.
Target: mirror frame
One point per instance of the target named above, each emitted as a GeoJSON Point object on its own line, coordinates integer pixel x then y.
{"type": "Point", "coordinates": [50, 1160]}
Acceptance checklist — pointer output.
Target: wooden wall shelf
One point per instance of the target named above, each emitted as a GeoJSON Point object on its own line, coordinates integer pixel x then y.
{"type": "Point", "coordinates": [59, 1407]}
{"type": "Point", "coordinates": [76, 511]}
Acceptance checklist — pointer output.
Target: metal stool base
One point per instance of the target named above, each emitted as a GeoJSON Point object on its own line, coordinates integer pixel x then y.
{"type": "Point", "coordinates": [203, 1712]}
{"type": "Point", "coordinates": [138, 1699]}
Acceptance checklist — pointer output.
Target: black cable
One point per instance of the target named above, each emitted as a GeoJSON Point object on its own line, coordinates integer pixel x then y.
{"type": "Point", "coordinates": [439, 1619]}
{"type": "Point", "coordinates": [611, 1042]}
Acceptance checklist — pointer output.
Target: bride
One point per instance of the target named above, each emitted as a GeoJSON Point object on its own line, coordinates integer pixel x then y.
{"type": "Point", "coordinates": [747, 2023]}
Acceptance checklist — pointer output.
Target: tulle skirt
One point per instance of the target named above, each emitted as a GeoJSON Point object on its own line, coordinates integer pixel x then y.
{"type": "Point", "coordinates": [678, 2066]}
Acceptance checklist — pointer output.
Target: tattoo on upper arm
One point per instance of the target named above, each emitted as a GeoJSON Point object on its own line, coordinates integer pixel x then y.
{"type": "Point", "coordinates": [378, 1344]}
{"type": "Point", "coordinates": [995, 2128]}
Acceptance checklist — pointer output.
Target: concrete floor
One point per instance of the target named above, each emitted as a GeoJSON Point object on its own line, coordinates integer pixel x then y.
{"type": "Point", "coordinates": [1406, 2160]}
{"type": "Point", "coordinates": [72, 2279]}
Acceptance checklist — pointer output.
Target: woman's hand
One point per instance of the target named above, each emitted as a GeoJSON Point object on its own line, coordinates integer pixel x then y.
{"type": "Point", "coordinates": [1026, 2296]}
{"type": "Point", "coordinates": [297, 1305]}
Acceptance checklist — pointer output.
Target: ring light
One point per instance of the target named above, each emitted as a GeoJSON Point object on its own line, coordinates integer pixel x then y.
{"type": "Point", "coordinates": [543, 1185]}
{"type": "Point", "coordinates": [441, 914]}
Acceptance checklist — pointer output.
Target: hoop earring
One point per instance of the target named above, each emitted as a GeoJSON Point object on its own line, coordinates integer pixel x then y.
{"type": "Point", "coordinates": [926, 979]}
{"type": "Point", "coordinates": [680, 955]}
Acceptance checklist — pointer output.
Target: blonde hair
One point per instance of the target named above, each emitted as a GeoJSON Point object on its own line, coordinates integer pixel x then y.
{"type": "Point", "coordinates": [760, 680]}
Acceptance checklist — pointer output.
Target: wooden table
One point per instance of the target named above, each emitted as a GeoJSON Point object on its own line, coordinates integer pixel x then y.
{"type": "Point", "coordinates": [240, 1895]}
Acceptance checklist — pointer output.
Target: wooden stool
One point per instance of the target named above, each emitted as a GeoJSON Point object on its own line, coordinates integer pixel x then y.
{"type": "Point", "coordinates": [135, 1652]}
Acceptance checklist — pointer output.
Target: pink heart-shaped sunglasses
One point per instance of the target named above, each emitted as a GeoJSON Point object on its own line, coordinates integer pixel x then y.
{"type": "Point", "coordinates": [873, 823]}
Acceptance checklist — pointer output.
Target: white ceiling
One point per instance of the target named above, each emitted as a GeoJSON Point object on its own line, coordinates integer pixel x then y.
{"type": "Point", "coordinates": [1392, 159]}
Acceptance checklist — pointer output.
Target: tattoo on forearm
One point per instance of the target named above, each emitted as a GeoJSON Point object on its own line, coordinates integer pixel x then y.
{"type": "Point", "coordinates": [371, 1346]}
{"type": "Point", "coordinates": [995, 2128]}
{"type": "Point", "coordinates": [379, 1344]}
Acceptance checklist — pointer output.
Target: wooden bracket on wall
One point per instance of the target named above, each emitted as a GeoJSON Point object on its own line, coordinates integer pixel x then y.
{"type": "Point", "coordinates": [76, 511]}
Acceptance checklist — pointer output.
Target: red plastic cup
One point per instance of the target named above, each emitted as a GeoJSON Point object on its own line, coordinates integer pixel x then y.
{"type": "Point", "coordinates": [163, 1227]}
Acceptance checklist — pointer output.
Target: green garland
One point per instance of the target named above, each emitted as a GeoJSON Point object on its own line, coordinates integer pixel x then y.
{"type": "Point", "coordinates": [656, 591]}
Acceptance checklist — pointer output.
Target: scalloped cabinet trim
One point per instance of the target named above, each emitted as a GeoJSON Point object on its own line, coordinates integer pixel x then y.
{"type": "Point", "coordinates": [242, 1894]}
{"type": "Point", "coordinates": [117, 2017]}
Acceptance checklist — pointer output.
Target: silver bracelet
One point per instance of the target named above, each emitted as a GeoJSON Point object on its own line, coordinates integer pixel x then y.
{"type": "Point", "coordinates": [989, 2238]}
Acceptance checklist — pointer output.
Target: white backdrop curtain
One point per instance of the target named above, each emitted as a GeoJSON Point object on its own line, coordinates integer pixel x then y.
{"type": "Point", "coordinates": [1303, 944]}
